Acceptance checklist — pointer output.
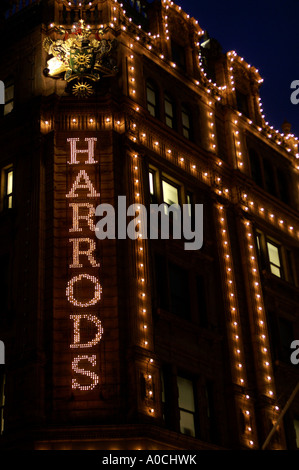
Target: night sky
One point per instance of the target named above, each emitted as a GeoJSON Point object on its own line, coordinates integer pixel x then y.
{"type": "Point", "coordinates": [266, 34]}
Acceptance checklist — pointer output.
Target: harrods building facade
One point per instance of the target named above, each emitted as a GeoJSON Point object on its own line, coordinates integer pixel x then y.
{"type": "Point", "coordinates": [125, 343]}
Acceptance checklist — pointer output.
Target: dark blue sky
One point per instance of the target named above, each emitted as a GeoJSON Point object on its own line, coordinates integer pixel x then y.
{"type": "Point", "coordinates": [266, 34]}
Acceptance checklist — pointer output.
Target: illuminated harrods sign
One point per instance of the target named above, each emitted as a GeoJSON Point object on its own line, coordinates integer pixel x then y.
{"type": "Point", "coordinates": [83, 290]}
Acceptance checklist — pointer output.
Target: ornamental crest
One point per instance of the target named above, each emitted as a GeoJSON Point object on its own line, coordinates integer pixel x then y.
{"type": "Point", "coordinates": [80, 59]}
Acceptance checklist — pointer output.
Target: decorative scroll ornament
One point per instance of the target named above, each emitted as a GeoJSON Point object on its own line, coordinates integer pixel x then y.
{"type": "Point", "coordinates": [79, 59]}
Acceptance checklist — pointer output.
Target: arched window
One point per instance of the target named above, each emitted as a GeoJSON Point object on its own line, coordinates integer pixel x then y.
{"type": "Point", "coordinates": [152, 98]}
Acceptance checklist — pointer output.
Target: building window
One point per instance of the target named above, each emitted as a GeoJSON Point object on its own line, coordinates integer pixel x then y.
{"type": "Point", "coordinates": [7, 188]}
{"type": "Point", "coordinates": [242, 103]}
{"type": "Point", "coordinates": [152, 99]}
{"type": "Point", "coordinates": [269, 176]}
{"type": "Point", "coordinates": [211, 413]}
{"type": "Point", "coordinates": [296, 426]}
{"type": "Point", "coordinates": [255, 166]}
{"type": "Point", "coordinates": [170, 193]}
{"type": "Point", "coordinates": [152, 187]}
{"type": "Point", "coordinates": [172, 287]}
{"type": "Point", "coordinates": [170, 196]}
{"type": "Point", "coordinates": [186, 122]}
{"type": "Point", "coordinates": [179, 291]}
{"type": "Point", "coordinates": [186, 406]}
{"type": "Point", "coordinates": [274, 259]}
{"type": "Point", "coordinates": [7, 181]}
{"type": "Point", "coordinates": [169, 111]}
{"type": "Point", "coordinates": [178, 55]}
{"type": "Point", "coordinates": [9, 97]}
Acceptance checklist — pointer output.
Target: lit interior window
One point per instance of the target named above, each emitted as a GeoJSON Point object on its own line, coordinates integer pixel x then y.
{"type": "Point", "coordinates": [170, 193]}
{"type": "Point", "coordinates": [274, 259]}
{"type": "Point", "coordinates": [151, 183]}
{"type": "Point", "coordinates": [9, 98]}
{"type": "Point", "coordinates": [186, 406]}
{"type": "Point", "coordinates": [8, 188]}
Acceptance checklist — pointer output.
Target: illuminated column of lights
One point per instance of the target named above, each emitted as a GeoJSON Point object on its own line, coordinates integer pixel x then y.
{"type": "Point", "coordinates": [165, 19]}
{"type": "Point", "coordinates": [114, 15]}
{"type": "Point", "coordinates": [263, 355]}
{"type": "Point", "coordinates": [239, 372]}
{"type": "Point", "coordinates": [231, 58]}
{"type": "Point", "coordinates": [143, 296]}
{"type": "Point", "coordinates": [238, 366]}
{"type": "Point", "coordinates": [150, 387]}
{"type": "Point", "coordinates": [211, 126]}
{"type": "Point", "coordinates": [238, 146]}
{"type": "Point", "coordinates": [132, 73]}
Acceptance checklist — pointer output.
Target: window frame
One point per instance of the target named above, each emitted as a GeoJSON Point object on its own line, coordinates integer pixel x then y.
{"type": "Point", "coordinates": [9, 83]}
{"type": "Point", "coordinates": [7, 196]}
{"type": "Point", "coordinates": [150, 85]}
{"type": "Point", "coordinates": [190, 412]}
{"type": "Point", "coordinates": [186, 111]}
{"type": "Point", "coordinates": [168, 99]}
{"type": "Point", "coordinates": [280, 266]}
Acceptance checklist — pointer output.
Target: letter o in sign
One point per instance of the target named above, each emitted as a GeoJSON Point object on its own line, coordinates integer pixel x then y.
{"type": "Point", "coordinates": [96, 295]}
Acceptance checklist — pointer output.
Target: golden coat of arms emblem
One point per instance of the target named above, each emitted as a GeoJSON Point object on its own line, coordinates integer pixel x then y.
{"type": "Point", "coordinates": [80, 58]}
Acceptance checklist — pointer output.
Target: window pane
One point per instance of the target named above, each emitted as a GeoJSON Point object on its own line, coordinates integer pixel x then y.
{"type": "Point", "coordinates": [186, 133]}
{"type": "Point", "coordinates": [151, 96]}
{"type": "Point", "coordinates": [151, 182]}
{"type": "Point", "coordinates": [168, 107]}
{"type": "Point", "coordinates": [185, 120]}
{"type": "Point", "coordinates": [186, 395]}
{"type": "Point", "coordinates": [152, 110]}
{"type": "Point", "coordinates": [275, 270]}
{"type": "Point", "coordinates": [9, 182]}
{"type": "Point", "coordinates": [9, 93]}
{"type": "Point", "coordinates": [9, 202]}
{"type": "Point", "coordinates": [170, 193]}
{"type": "Point", "coordinates": [8, 108]}
{"type": "Point", "coordinates": [187, 423]}
{"type": "Point", "coordinates": [273, 254]}
{"type": "Point", "coordinates": [169, 122]}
